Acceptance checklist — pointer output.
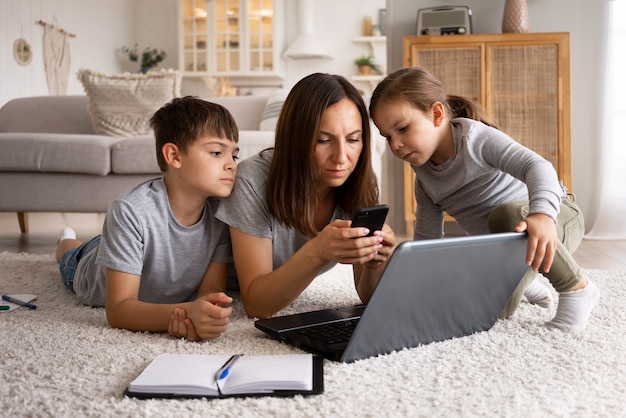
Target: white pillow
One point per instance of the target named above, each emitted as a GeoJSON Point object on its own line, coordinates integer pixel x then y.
{"type": "Point", "coordinates": [272, 110]}
{"type": "Point", "coordinates": [121, 105]}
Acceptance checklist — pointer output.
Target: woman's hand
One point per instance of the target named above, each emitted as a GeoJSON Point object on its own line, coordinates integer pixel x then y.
{"type": "Point", "coordinates": [542, 240]}
{"type": "Point", "coordinates": [339, 243]}
{"type": "Point", "coordinates": [385, 248]}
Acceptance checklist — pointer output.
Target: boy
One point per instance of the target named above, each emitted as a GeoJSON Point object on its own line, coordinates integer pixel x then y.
{"type": "Point", "coordinates": [162, 254]}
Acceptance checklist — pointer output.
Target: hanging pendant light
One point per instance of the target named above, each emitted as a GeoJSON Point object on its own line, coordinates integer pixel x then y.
{"type": "Point", "coordinates": [306, 46]}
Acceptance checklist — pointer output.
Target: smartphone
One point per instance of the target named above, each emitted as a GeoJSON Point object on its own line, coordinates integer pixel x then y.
{"type": "Point", "coordinates": [372, 218]}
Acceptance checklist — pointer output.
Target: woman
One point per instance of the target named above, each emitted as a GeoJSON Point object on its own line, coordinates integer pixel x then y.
{"type": "Point", "coordinates": [289, 211]}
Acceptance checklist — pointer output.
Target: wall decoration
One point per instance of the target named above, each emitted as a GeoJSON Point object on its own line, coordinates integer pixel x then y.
{"type": "Point", "coordinates": [22, 51]}
{"type": "Point", "coordinates": [56, 56]}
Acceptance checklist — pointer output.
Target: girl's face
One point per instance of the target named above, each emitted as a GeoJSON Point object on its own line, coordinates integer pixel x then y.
{"type": "Point", "coordinates": [413, 135]}
{"type": "Point", "coordinates": [339, 143]}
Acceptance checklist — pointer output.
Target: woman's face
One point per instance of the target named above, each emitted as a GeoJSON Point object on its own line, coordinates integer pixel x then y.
{"type": "Point", "coordinates": [339, 143]}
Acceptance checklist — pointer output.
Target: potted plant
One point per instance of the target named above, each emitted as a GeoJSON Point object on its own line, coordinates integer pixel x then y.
{"type": "Point", "coordinates": [366, 65]}
{"type": "Point", "coordinates": [150, 57]}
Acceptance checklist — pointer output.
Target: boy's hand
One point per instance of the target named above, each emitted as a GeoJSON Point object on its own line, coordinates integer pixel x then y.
{"type": "Point", "coordinates": [542, 240]}
{"type": "Point", "coordinates": [207, 318]}
{"type": "Point", "coordinates": [181, 326]}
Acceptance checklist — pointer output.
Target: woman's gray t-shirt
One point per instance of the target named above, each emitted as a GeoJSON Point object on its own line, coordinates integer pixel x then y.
{"type": "Point", "coordinates": [246, 210]}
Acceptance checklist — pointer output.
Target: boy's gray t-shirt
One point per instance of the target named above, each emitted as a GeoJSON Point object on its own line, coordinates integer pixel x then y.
{"type": "Point", "coordinates": [141, 236]}
{"type": "Point", "coordinates": [246, 209]}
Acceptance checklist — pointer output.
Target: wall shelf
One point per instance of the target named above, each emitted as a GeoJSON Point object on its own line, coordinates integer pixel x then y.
{"type": "Point", "coordinates": [377, 47]}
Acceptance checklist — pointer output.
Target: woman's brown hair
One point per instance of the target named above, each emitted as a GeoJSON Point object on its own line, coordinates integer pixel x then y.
{"type": "Point", "coordinates": [292, 179]}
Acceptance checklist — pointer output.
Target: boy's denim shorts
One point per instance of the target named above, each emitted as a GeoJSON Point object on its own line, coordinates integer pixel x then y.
{"type": "Point", "coordinates": [71, 258]}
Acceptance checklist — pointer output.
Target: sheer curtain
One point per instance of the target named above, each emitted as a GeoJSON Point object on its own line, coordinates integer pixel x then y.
{"type": "Point", "coordinates": [610, 221]}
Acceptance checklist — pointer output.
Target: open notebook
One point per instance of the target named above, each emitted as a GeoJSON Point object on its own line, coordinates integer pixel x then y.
{"type": "Point", "coordinates": [195, 375]}
{"type": "Point", "coordinates": [430, 290]}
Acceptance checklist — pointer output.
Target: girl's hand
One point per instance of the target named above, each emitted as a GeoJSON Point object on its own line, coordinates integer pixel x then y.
{"type": "Point", "coordinates": [542, 240]}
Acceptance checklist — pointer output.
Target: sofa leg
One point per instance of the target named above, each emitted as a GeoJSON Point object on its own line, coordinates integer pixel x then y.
{"type": "Point", "coordinates": [22, 218]}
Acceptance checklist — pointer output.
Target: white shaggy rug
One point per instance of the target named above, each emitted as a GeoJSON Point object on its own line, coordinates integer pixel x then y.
{"type": "Point", "coordinates": [63, 360]}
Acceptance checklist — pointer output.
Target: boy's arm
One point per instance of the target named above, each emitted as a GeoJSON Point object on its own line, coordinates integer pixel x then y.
{"type": "Point", "coordinates": [124, 310]}
{"type": "Point", "coordinates": [214, 281]}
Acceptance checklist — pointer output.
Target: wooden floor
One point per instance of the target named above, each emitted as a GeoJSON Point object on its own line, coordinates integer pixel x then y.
{"type": "Point", "coordinates": [44, 228]}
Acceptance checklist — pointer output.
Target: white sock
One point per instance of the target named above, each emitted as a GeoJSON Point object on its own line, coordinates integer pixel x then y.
{"type": "Point", "coordinates": [538, 294]}
{"type": "Point", "coordinates": [66, 233]}
{"type": "Point", "coordinates": [575, 308]}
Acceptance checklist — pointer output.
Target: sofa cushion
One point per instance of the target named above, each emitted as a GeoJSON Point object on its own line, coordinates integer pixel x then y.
{"type": "Point", "coordinates": [246, 110]}
{"type": "Point", "coordinates": [56, 153]}
{"type": "Point", "coordinates": [253, 142]}
{"type": "Point", "coordinates": [121, 105]}
{"type": "Point", "coordinates": [134, 156]}
{"type": "Point", "coordinates": [138, 155]}
{"type": "Point", "coordinates": [272, 110]}
{"type": "Point", "coordinates": [49, 114]}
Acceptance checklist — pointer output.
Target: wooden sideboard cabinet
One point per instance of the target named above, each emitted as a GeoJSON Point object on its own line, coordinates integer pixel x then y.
{"type": "Point", "coordinates": [522, 80]}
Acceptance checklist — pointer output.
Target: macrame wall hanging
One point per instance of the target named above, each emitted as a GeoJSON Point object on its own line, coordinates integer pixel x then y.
{"type": "Point", "coordinates": [56, 56]}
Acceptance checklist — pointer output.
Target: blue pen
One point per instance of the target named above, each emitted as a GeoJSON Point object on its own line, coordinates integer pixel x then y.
{"type": "Point", "coordinates": [224, 371]}
{"type": "Point", "coordinates": [18, 302]}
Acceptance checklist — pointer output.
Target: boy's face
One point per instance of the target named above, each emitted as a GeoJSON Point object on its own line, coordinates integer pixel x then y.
{"type": "Point", "coordinates": [209, 165]}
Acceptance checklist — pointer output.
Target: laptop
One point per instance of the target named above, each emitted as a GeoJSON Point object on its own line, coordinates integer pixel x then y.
{"type": "Point", "coordinates": [430, 290]}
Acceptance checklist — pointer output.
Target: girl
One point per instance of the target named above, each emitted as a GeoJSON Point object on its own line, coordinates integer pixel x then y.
{"type": "Point", "coordinates": [488, 182]}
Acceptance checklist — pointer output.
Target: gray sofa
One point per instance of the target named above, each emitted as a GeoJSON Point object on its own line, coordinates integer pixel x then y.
{"type": "Point", "coordinates": [52, 161]}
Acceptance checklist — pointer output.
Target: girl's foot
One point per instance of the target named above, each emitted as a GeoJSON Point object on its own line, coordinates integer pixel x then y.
{"type": "Point", "coordinates": [538, 294]}
{"type": "Point", "coordinates": [575, 308]}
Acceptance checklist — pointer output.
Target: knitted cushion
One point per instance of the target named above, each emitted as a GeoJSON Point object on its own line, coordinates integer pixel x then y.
{"type": "Point", "coordinates": [121, 105]}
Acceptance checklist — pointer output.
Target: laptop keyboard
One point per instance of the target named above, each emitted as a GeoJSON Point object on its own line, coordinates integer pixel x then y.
{"type": "Point", "coordinates": [332, 333]}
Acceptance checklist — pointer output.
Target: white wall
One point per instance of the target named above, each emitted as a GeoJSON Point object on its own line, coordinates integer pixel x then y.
{"type": "Point", "coordinates": [102, 27]}
{"type": "Point", "coordinates": [585, 20]}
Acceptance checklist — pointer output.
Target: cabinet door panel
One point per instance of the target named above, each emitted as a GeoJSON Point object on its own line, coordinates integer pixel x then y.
{"type": "Point", "coordinates": [230, 38]}
{"type": "Point", "coordinates": [458, 68]}
{"type": "Point", "coordinates": [523, 95]}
